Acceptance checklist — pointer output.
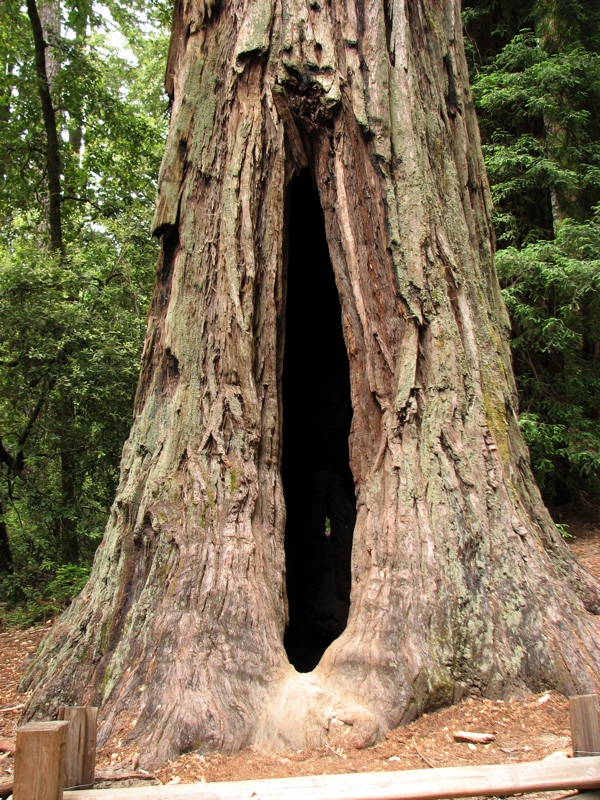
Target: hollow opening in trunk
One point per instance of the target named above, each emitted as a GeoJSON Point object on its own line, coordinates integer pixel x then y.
{"type": "Point", "coordinates": [317, 412]}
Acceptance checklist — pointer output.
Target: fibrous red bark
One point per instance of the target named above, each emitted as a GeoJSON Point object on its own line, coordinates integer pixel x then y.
{"type": "Point", "coordinates": [459, 580]}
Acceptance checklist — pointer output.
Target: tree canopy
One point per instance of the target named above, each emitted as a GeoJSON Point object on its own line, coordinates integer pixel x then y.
{"type": "Point", "coordinates": [77, 188]}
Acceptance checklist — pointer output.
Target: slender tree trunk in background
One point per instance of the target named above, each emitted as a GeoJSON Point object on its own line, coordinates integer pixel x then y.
{"type": "Point", "coordinates": [6, 559]}
{"type": "Point", "coordinates": [15, 465]}
{"type": "Point", "coordinates": [49, 13]}
{"type": "Point", "coordinates": [79, 24]}
{"type": "Point", "coordinates": [45, 25]}
{"type": "Point", "coordinates": [458, 580]}
{"type": "Point", "coordinates": [7, 67]}
{"type": "Point", "coordinates": [67, 524]}
{"type": "Point", "coordinates": [49, 116]}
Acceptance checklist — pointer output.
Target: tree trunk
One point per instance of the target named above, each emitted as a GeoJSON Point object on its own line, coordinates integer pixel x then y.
{"type": "Point", "coordinates": [6, 557]}
{"type": "Point", "coordinates": [49, 14]}
{"type": "Point", "coordinates": [44, 68]}
{"type": "Point", "coordinates": [79, 24]}
{"type": "Point", "coordinates": [66, 534]}
{"type": "Point", "coordinates": [458, 580]}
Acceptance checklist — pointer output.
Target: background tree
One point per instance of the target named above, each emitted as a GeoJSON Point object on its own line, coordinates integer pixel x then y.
{"type": "Point", "coordinates": [326, 262]}
{"type": "Point", "coordinates": [78, 180]}
{"type": "Point", "coordinates": [536, 73]}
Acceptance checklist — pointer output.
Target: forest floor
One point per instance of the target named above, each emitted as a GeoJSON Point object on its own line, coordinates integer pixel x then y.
{"type": "Point", "coordinates": [525, 729]}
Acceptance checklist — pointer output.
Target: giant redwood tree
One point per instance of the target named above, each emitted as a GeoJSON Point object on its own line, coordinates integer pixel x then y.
{"type": "Point", "coordinates": [326, 520]}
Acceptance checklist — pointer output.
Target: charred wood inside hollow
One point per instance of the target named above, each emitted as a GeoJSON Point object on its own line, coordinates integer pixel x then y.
{"type": "Point", "coordinates": [317, 413]}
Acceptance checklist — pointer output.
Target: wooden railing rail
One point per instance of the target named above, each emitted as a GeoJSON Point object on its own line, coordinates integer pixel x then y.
{"type": "Point", "coordinates": [422, 784]}
{"type": "Point", "coordinates": [52, 755]}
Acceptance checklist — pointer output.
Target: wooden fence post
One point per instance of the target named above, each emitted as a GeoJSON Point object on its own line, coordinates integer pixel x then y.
{"type": "Point", "coordinates": [80, 760]}
{"type": "Point", "coordinates": [585, 725]}
{"type": "Point", "coordinates": [40, 761]}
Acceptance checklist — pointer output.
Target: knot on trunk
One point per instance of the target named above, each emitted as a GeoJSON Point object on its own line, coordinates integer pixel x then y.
{"type": "Point", "coordinates": [311, 96]}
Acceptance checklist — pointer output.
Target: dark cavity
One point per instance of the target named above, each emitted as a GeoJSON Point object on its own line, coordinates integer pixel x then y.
{"type": "Point", "coordinates": [317, 413]}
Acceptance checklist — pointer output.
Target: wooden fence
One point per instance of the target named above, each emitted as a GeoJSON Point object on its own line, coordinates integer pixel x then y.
{"type": "Point", "coordinates": [50, 756]}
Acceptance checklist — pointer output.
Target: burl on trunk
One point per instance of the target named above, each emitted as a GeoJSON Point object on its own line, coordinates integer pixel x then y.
{"type": "Point", "coordinates": [326, 517]}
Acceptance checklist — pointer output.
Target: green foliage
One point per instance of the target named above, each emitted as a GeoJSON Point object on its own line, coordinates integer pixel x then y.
{"type": "Point", "coordinates": [552, 290]}
{"type": "Point", "coordinates": [73, 322]}
{"type": "Point", "coordinates": [490, 24]}
{"type": "Point", "coordinates": [536, 83]}
{"type": "Point", "coordinates": [562, 23]}
{"type": "Point", "coordinates": [68, 582]}
{"type": "Point", "coordinates": [38, 592]}
{"type": "Point", "coordinates": [71, 337]}
{"type": "Point", "coordinates": [541, 131]}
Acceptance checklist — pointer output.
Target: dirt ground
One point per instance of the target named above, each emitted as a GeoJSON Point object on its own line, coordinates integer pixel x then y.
{"type": "Point", "coordinates": [527, 729]}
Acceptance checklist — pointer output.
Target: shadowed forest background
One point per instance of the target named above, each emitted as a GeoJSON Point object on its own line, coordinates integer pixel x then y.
{"type": "Point", "coordinates": [78, 169]}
